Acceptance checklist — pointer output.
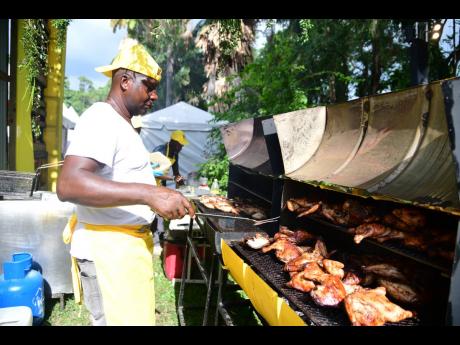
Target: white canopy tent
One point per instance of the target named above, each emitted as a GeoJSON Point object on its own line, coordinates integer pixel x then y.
{"type": "Point", "coordinates": [157, 128]}
{"type": "Point", "coordinates": [69, 120]}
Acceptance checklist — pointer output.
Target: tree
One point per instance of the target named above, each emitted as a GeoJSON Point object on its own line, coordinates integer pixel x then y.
{"type": "Point", "coordinates": [86, 94]}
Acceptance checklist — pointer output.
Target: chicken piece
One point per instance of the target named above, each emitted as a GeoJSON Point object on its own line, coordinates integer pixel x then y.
{"type": "Point", "coordinates": [351, 279]}
{"type": "Point", "coordinates": [312, 271]}
{"type": "Point", "coordinates": [285, 250]}
{"type": "Point", "coordinates": [320, 248]}
{"type": "Point", "coordinates": [330, 293]}
{"type": "Point", "coordinates": [302, 202]}
{"type": "Point", "coordinates": [257, 241]}
{"type": "Point", "coordinates": [308, 211]}
{"type": "Point", "coordinates": [359, 213]}
{"type": "Point", "coordinates": [370, 230]}
{"type": "Point", "coordinates": [335, 214]}
{"type": "Point", "coordinates": [298, 236]}
{"type": "Point", "coordinates": [300, 283]}
{"type": "Point", "coordinates": [292, 205]}
{"type": "Point", "coordinates": [384, 270]}
{"type": "Point", "coordinates": [258, 216]}
{"type": "Point", "coordinates": [333, 267]}
{"type": "Point", "coordinates": [226, 207]}
{"type": "Point", "coordinates": [392, 235]}
{"type": "Point", "coordinates": [299, 263]}
{"type": "Point", "coordinates": [393, 221]}
{"type": "Point", "coordinates": [370, 307]}
{"type": "Point", "coordinates": [417, 241]}
{"type": "Point", "coordinates": [411, 216]}
{"type": "Point", "coordinates": [442, 253]}
{"type": "Point", "coordinates": [400, 291]}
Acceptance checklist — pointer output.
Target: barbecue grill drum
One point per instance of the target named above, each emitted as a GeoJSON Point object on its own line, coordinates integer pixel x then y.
{"type": "Point", "coordinates": [395, 144]}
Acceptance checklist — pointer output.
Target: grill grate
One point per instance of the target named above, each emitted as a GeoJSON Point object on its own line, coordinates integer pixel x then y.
{"type": "Point", "coordinates": [271, 271]}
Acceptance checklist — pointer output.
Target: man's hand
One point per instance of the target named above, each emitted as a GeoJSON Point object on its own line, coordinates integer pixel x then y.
{"type": "Point", "coordinates": [179, 180]}
{"type": "Point", "coordinates": [170, 204]}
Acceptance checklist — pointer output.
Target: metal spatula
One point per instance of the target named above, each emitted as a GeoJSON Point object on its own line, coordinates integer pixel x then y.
{"type": "Point", "coordinates": [255, 222]}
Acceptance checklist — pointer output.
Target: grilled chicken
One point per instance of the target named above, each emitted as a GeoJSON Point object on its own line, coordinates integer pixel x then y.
{"type": "Point", "coordinates": [333, 267]}
{"type": "Point", "coordinates": [285, 250]}
{"type": "Point", "coordinates": [299, 263]}
{"type": "Point", "coordinates": [334, 213]}
{"type": "Point", "coordinates": [312, 271]}
{"type": "Point", "coordinates": [417, 241]}
{"type": "Point", "coordinates": [374, 230]}
{"type": "Point", "coordinates": [257, 241]}
{"type": "Point", "coordinates": [359, 213]}
{"type": "Point", "coordinates": [298, 236]}
{"type": "Point", "coordinates": [330, 293]}
{"type": "Point", "coordinates": [400, 291]}
{"type": "Point", "coordinates": [351, 279]}
{"type": "Point", "coordinates": [384, 270]}
{"type": "Point", "coordinates": [411, 216]}
{"type": "Point", "coordinates": [299, 282]}
{"type": "Point", "coordinates": [394, 222]}
{"type": "Point", "coordinates": [218, 202]}
{"type": "Point", "coordinates": [306, 212]}
{"type": "Point", "coordinates": [370, 307]}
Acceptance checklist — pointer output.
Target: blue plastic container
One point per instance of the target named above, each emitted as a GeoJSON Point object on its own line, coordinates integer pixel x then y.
{"type": "Point", "coordinates": [20, 285]}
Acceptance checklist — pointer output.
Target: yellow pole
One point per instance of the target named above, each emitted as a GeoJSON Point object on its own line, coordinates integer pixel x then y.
{"type": "Point", "coordinates": [24, 142]}
{"type": "Point", "coordinates": [54, 98]}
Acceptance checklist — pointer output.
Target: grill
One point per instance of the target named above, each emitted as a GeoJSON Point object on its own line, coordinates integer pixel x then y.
{"type": "Point", "coordinates": [363, 150]}
{"type": "Point", "coordinates": [271, 270]}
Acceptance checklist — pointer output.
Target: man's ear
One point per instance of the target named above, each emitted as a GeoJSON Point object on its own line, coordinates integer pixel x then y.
{"type": "Point", "coordinates": [125, 81]}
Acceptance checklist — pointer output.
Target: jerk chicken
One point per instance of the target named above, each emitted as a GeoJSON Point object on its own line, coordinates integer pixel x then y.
{"type": "Point", "coordinates": [370, 307]}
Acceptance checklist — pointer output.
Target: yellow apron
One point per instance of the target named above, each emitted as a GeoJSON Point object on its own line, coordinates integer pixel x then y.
{"type": "Point", "coordinates": [123, 256]}
{"type": "Point", "coordinates": [172, 160]}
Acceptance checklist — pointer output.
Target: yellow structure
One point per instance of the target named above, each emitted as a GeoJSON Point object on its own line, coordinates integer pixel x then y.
{"type": "Point", "coordinates": [266, 301]}
{"type": "Point", "coordinates": [54, 97]}
{"type": "Point", "coordinates": [24, 143]}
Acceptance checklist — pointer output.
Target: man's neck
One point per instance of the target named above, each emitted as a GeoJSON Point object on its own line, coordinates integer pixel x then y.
{"type": "Point", "coordinates": [119, 107]}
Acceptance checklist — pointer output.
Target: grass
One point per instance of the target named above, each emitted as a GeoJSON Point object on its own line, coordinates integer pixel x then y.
{"type": "Point", "coordinates": [166, 294]}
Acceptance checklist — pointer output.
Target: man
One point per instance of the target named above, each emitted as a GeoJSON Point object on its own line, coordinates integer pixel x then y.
{"type": "Point", "coordinates": [107, 174]}
{"type": "Point", "coordinates": [171, 150]}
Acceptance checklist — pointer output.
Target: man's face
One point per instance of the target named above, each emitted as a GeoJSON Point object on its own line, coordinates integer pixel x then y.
{"type": "Point", "coordinates": [141, 94]}
{"type": "Point", "coordinates": [175, 145]}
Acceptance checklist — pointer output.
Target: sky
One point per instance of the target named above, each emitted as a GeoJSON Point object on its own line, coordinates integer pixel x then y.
{"type": "Point", "coordinates": [90, 43]}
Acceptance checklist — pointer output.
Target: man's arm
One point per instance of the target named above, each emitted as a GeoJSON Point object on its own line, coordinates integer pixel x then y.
{"type": "Point", "coordinates": [79, 184]}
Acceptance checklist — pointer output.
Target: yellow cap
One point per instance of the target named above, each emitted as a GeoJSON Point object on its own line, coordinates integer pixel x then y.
{"type": "Point", "coordinates": [135, 58]}
{"type": "Point", "coordinates": [179, 136]}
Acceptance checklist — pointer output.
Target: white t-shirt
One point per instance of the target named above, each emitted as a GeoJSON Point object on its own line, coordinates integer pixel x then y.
{"type": "Point", "coordinates": [103, 135]}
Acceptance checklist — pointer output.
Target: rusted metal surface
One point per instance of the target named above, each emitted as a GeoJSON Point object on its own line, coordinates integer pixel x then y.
{"type": "Point", "coordinates": [394, 145]}
{"type": "Point", "coordinates": [245, 144]}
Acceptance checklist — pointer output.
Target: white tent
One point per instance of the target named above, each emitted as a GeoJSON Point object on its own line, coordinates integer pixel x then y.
{"type": "Point", "coordinates": [157, 128]}
{"type": "Point", "coordinates": [69, 120]}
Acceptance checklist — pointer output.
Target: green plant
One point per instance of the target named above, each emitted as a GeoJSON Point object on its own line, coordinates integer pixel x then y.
{"type": "Point", "coordinates": [35, 42]}
{"type": "Point", "coordinates": [216, 167]}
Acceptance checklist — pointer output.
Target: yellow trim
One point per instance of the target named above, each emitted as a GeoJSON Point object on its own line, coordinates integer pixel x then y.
{"type": "Point", "coordinates": [24, 142]}
{"type": "Point", "coordinates": [140, 231]}
{"type": "Point", "coordinates": [54, 97]}
{"type": "Point", "coordinates": [266, 301]}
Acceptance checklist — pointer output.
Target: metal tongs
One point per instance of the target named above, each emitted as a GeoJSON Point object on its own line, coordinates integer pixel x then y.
{"type": "Point", "coordinates": [255, 222]}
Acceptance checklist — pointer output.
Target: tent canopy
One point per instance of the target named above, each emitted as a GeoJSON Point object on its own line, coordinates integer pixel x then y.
{"type": "Point", "coordinates": [157, 128]}
{"type": "Point", "coordinates": [179, 116]}
{"type": "Point", "coordinates": [69, 117]}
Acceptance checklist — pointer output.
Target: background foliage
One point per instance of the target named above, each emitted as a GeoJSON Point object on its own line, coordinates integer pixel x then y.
{"type": "Point", "coordinates": [214, 65]}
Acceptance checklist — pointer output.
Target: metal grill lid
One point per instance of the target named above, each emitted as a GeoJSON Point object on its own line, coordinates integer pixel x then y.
{"type": "Point", "coordinates": [394, 145]}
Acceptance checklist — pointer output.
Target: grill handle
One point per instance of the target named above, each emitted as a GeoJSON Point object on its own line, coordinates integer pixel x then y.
{"type": "Point", "coordinates": [37, 174]}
